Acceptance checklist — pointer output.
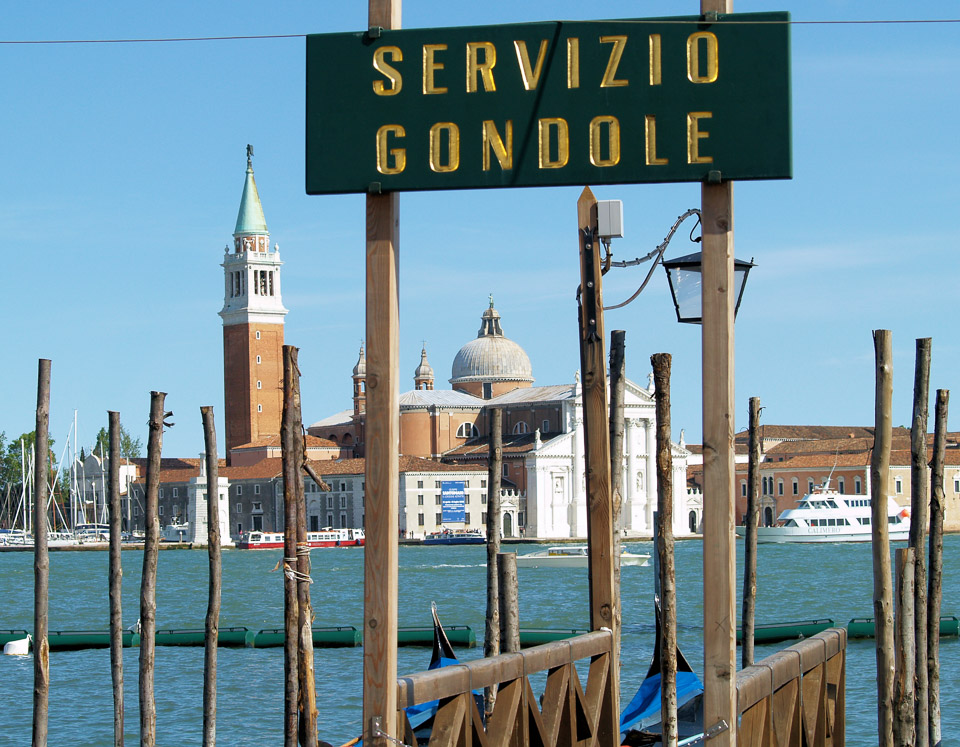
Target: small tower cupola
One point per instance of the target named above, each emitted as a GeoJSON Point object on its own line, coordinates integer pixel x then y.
{"type": "Point", "coordinates": [360, 384]}
{"type": "Point", "coordinates": [251, 232]}
{"type": "Point", "coordinates": [423, 376]}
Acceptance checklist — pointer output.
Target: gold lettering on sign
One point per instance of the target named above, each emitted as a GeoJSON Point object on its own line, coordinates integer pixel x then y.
{"type": "Point", "coordinates": [613, 141]}
{"type": "Point", "coordinates": [619, 42]}
{"type": "Point", "coordinates": [546, 126]}
{"type": "Point", "coordinates": [650, 129]}
{"type": "Point", "coordinates": [485, 68]}
{"type": "Point", "coordinates": [430, 67]}
{"type": "Point", "coordinates": [656, 60]}
{"type": "Point", "coordinates": [573, 62]}
{"type": "Point", "coordinates": [693, 57]}
{"type": "Point", "coordinates": [384, 153]}
{"type": "Point", "coordinates": [389, 72]}
{"type": "Point", "coordinates": [695, 135]}
{"type": "Point", "coordinates": [493, 141]}
{"type": "Point", "coordinates": [436, 147]}
{"type": "Point", "coordinates": [531, 76]}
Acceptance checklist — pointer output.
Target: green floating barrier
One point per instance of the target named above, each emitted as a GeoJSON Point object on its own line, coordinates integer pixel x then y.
{"type": "Point", "coordinates": [236, 637]}
{"type": "Point", "coordinates": [458, 635]}
{"type": "Point", "coordinates": [75, 640]}
{"type": "Point", "coordinates": [340, 636]}
{"type": "Point", "coordinates": [786, 631]}
{"type": "Point", "coordinates": [539, 636]}
{"type": "Point", "coordinates": [11, 635]}
{"type": "Point", "coordinates": [863, 627]}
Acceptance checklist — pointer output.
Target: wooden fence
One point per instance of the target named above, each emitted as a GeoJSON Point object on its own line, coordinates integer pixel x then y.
{"type": "Point", "coordinates": [794, 697]}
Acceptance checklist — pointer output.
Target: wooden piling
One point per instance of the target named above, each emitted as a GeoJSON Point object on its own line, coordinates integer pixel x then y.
{"type": "Point", "coordinates": [596, 430]}
{"type": "Point", "coordinates": [148, 576]}
{"type": "Point", "coordinates": [41, 558]}
{"type": "Point", "coordinates": [935, 595]}
{"type": "Point", "coordinates": [668, 583]}
{"type": "Point", "coordinates": [750, 544]}
{"type": "Point", "coordinates": [115, 578]}
{"type": "Point", "coordinates": [879, 490]}
{"type": "Point", "coordinates": [617, 378]}
{"type": "Point", "coordinates": [509, 602]}
{"type": "Point", "coordinates": [491, 638]}
{"type": "Point", "coordinates": [919, 497]}
{"type": "Point", "coordinates": [291, 610]}
{"type": "Point", "coordinates": [904, 713]}
{"type": "Point", "coordinates": [214, 560]}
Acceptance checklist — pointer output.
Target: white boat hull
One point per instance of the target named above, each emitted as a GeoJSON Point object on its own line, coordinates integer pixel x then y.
{"type": "Point", "coordinates": [783, 535]}
{"type": "Point", "coordinates": [545, 560]}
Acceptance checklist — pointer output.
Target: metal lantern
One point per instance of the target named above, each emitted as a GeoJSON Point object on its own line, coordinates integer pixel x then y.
{"type": "Point", "coordinates": [685, 277]}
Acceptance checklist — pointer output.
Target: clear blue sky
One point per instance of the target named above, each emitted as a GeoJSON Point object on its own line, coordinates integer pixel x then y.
{"type": "Point", "coordinates": [123, 165]}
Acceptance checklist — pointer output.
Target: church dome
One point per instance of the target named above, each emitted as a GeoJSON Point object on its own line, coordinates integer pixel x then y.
{"type": "Point", "coordinates": [491, 357]}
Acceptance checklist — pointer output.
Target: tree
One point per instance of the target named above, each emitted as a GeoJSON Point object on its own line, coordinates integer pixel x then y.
{"type": "Point", "coordinates": [10, 465]}
{"type": "Point", "coordinates": [130, 447]}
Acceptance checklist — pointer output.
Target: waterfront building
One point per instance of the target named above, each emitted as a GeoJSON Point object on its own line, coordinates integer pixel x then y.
{"type": "Point", "coordinates": [543, 467]}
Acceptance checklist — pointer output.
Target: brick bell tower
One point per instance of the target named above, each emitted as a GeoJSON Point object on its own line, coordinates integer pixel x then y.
{"type": "Point", "coordinates": [252, 325]}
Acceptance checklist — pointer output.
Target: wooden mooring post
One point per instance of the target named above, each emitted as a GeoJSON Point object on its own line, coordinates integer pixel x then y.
{"type": "Point", "coordinates": [618, 375]}
{"type": "Point", "coordinates": [215, 564]}
{"type": "Point", "coordinates": [879, 490]}
{"type": "Point", "coordinates": [148, 577]}
{"type": "Point", "coordinates": [935, 595]}
{"type": "Point", "coordinates": [748, 615]}
{"type": "Point", "coordinates": [491, 638]}
{"type": "Point", "coordinates": [596, 430]}
{"type": "Point", "coordinates": [509, 602]}
{"type": "Point", "coordinates": [661, 363]}
{"type": "Point", "coordinates": [919, 496]}
{"type": "Point", "coordinates": [115, 578]}
{"type": "Point", "coordinates": [904, 693]}
{"type": "Point", "coordinates": [41, 558]}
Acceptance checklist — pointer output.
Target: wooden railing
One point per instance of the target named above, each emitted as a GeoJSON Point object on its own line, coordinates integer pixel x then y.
{"type": "Point", "coordinates": [793, 698]}
{"type": "Point", "coordinates": [796, 696]}
{"type": "Point", "coordinates": [565, 716]}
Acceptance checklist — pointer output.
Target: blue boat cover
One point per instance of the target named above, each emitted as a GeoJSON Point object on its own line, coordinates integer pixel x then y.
{"type": "Point", "coordinates": [644, 710]}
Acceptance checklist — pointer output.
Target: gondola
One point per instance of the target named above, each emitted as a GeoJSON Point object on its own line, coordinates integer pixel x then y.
{"type": "Point", "coordinates": [640, 720]}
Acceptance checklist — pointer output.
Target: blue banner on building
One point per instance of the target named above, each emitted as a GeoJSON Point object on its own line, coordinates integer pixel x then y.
{"type": "Point", "coordinates": [453, 501]}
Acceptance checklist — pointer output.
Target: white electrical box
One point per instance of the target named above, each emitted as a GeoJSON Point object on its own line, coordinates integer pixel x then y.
{"type": "Point", "coordinates": [610, 219]}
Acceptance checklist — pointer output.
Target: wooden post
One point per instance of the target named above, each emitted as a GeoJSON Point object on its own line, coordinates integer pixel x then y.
{"type": "Point", "coordinates": [41, 558]}
{"type": "Point", "coordinates": [291, 611]}
{"type": "Point", "coordinates": [382, 449]}
{"type": "Point", "coordinates": [491, 638]}
{"type": "Point", "coordinates": [617, 378]}
{"type": "Point", "coordinates": [719, 549]}
{"type": "Point", "coordinates": [919, 497]}
{"type": "Point", "coordinates": [509, 602]}
{"type": "Point", "coordinates": [935, 595]}
{"type": "Point", "coordinates": [668, 582]}
{"type": "Point", "coordinates": [148, 577]}
{"type": "Point", "coordinates": [750, 544]}
{"type": "Point", "coordinates": [879, 490]}
{"type": "Point", "coordinates": [596, 436]}
{"type": "Point", "coordinates": [115, 579]}
{"type": "Point", "coordinates": [904, 719]}
{"type": "Point", "coordinates": [212, 623]}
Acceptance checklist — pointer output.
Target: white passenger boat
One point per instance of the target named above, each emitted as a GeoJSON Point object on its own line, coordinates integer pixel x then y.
{"type": "Point", "coordinates": [828, 516]}
{"type": "Point", "coordinates": [572, 556]}
{"type": "Point", "coordinates": [326, 537]}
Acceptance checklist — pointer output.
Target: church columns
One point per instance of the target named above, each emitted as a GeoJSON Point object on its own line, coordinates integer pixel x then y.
{"type": "Point", "coordinates": [651, 481]}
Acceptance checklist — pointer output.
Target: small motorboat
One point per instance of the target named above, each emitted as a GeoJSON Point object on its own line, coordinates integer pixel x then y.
{"type": "Point", "coordinates": [572, 556]}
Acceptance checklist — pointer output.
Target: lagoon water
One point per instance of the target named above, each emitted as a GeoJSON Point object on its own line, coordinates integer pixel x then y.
{"type": "Point", "coordinates": [795, 583]}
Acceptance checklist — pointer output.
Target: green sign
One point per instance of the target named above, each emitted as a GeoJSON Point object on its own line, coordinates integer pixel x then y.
{"type": "Point", "coordinates": [542, 104]}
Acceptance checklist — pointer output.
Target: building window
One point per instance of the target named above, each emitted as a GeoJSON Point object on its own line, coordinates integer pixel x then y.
{"type": "Point", "coordinates": [239, 489]}
{"type": "Point", "coordinates": [487, 390]}
{"type": "Point", "coordinates": [483, 499]}
{"type": "Point", "coordinates": [239, 508]}
{"type": "Point", "coordinates": [259, 384]}
{"type": "Point", "coordinates": [521, 427]}
{"type": "Point", "coordinates": [420, 484]}
{"type": "Point", "coordinates": [239, 528]}
{"type": "Point", "coordinates": [259, 408]}
{"type": "Point", "coordinates": [438, 501]}
{"type": "Point", "coordinates": [420, 499]}
{"type": "Point", "coordinates": [329, 520]}
{"type": "Point", "coordinates": [420, 520]}
{"type": "Point", "coordinates": [258, 334]}
{"type": "Point", "coordinates": [840, 486]}
{"type": "Point", "coordinates": [176, 492]}
{"type": "Point", "coordinates": [466, 499]}
{"type": "Point", "coordinates": [483, 518]}
{"type": "Point", "coordinates": [467, 430]}
{"type": "Point", "coordinates": [743, 488]}
{"type": "Point", "coordinates": [466, 517]}
{"type": "Point", "coordinates": [161, 493]}
{"type": "Point", "coordinates": [857, 486]}
{"type": "Point", "coordinates": [779, 487]}
{"type": "Point", "coordinates": [343, 486]}
{"type": "Point", "coordinates": [545, 426]}
{"type": "Point", "coordinates": [506, 470]}
{"type": "Point", "coordinates": [256, 489]}
{"type": "Point", "coordinates": [343, 501]}
{"type": "Point", "coordinates": [436, 484]}
{"type": "Point", "coordinates": [160, 510]}
{"type": "Point", "coordinates": [483, 483]}
{"type": "Point", "coordinates": [257, 523]}
{"type": "Point", "coordinates": [810, 485]}
{"type": "Point", "coordinates": [256, 506]}
{"type": "Point", "coordinates": [343, 520]}
{"type": "Point", "coordinates": [439, 519]}
{"type": "Point", "coordinates": [466, 483]}
{"type": "Point", "coordinates": [258, 360]}
{"type": "Point", "coordinates": [795, 486]}
{"type": "Point", "coordinates": [899, 485]}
